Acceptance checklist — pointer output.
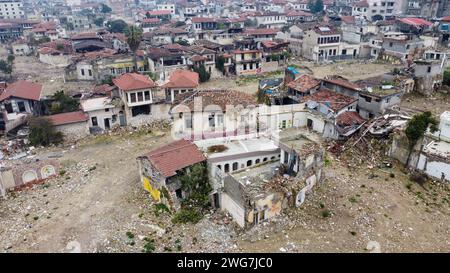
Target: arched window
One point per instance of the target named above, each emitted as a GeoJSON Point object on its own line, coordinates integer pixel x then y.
{"type": "Point", "coordinates": [257, 161]}
{"type": "Point", "coordinates": [227, 167]}
{"type": "Point", "coordinates": [235, 166]}
{"type": "Point", "coordinates": [265, 159]}
{"type": "Point", "coordinates": [29, 176]}
{"type": "Point", "coordinates": [249, 163]}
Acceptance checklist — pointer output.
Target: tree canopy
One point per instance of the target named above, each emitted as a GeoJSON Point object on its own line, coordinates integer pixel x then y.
{"type": "Point", "coordinates": [63, 103]}
{"type": "Point", "coordinates": [105, 8]}
{"type": "Point", "coordinates": [42, 132]}
{"type": "Point", "coordinates": [315, 6]}
{"type": "Point", "coordinates": [117, 26]}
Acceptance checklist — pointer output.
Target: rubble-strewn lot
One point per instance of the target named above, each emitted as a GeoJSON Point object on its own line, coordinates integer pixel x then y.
{"type": "Point", "coordinates": [98, 205]}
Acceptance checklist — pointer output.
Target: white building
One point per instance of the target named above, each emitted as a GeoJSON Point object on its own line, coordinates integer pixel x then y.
{"type": "Point", "coordinates": [11, 9]}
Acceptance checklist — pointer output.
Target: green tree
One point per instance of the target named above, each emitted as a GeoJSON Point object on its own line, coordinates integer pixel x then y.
{"type": "Point", "coordinates": [134, 38]}
{"type": "Point", "coordinates": [5, 67]}
{"type": "Point", "coordinates": [446, 80]}
{"type": "Point", "coordinates": [195, 183]}
{"type": "Point", "coordinates": [202, 73]}
{"type": "Point", "coordinates": [182, 42]}
{"type": "Point", "coordinates": [63, 103]}
{"type": "Point", "coordinates": [315, 6]}
{"type": "Point", "coordinates": [99, 21]}
{"type": "Point", "coordinates": [220, 63]}
{"type": "Point", "coordinates": [11, 58]}
{"type": "Point", "coordinates": [117, 26]}
{"type": "Point", "coordinates": [42, 132]}
{"type": "Point", "coordinates": [105, 8]}
{"type": "Point", "coordinates": [416, 129]}
{"type": "Point", "coordinates": [60, 47]}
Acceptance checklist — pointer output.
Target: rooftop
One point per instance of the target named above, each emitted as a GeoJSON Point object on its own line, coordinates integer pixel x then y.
{"type": "Point", "coordinates": [304, 83]}
{"type": "Point", "coordinates": [68, 118]}
{"type": "Point", "coordinates": [335, 101]}
{"type": "Point", "coordinates": [133, 81]}
{"type": "Point", "coordinates": [236, 146]}
{"type": "Point", "coordinates": [93, 104]}
{"type": "Point", "coordinates": [182, 78]}
{"type": "Point", "coordinates": [22, 89]}
{"type": "Point", "coordinates": [175, 156]}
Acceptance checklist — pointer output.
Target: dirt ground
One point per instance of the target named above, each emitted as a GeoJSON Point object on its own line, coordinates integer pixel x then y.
{"type": "Point", "coordinates": [437, 104]}
{"type": "Point", "coordinates": [98, 205]}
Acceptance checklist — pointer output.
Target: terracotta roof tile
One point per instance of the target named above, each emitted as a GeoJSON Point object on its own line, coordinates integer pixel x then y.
{"type": "Point", "coordinates": [174, 157]}
{"type": "Point", "coordinates": [67, 118]}
{"type": "Point", "coordinates": [349, 118]}
{"type": "Point", "coordinates": [182, 78]}
{"type": "Point", "coordinates": [22, 89]}
{"type": "Point", "coordinates": [304, 83]}
{"type": "Point", "coordinates": [335, 101]}
{"type": "Point", "coordinates": [133, 81]}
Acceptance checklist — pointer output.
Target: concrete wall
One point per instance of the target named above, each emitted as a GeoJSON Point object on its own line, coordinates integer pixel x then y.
{"type": "Point", "coordinates": [434, 168]}
{"type": "Point", "coordinates": [55, 60]}
{"type": "Point", "coordinates": [237, 211]}
{"type": "Point", "coordinates": [74, 131]}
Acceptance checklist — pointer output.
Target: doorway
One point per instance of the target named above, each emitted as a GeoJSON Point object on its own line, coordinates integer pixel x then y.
{"type": "Point", "coordinates": [107, 124]}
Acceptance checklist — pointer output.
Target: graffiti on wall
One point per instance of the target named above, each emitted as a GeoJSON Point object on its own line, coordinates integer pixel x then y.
{"type": "Point", "coordinates": [154, 192]}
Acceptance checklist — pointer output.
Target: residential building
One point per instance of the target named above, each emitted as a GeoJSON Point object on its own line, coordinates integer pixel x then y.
{"type": "Point", "coordinates": [271, 20]}
{"type": "Point", "coordinates": [161, 168]}
{"type": "Point", "coordinates": [247, 62]}
{"type": "Point", "coordinates": [179, 82]}
{"type": "Point", "coordinates": [73, 125]}
{"type": "Point", "coordinates": [11, 9]}
{"type": "Point", "coordinates": [103, 113]}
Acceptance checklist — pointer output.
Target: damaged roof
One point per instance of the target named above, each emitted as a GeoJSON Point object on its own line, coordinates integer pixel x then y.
{"type": "Point", "coordinates": [175, 156]}
{"type": "Point", "coordinates": [221, 98]}
{"type": "Point", "coordinates": [304, 83]}
{"type": "Point", "coordinates": [333, 100]}
{"type": "Point", "coordinates": [68, 118]}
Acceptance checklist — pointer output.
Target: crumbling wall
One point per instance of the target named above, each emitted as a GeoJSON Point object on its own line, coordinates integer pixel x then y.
{"type": "Point", "coordinates": [399, 149]}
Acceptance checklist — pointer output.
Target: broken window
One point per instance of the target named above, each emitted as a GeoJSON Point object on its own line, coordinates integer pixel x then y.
{"type": "Point", "coordinates": [94, 121]}
{"type": "Point", "coordinates": [9, 108]}
{"type": "Point", "coordinates": [140, 110]}
{"type": "Point", "coordinates": [21, 106]}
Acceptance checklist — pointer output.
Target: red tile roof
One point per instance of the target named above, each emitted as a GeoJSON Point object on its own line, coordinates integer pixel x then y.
{"type": "Point", "coordinates": [416, 22]}
{"type": "Point", "coordinates": [67, 118]}
{"type": "Point", "coordinates": [174, 157]}
{"type": "Point", "coordinates": [158, 12]}
{"type": "Point", "coordinates": [361, 4]}
{"type": "Point", "coordinates": [349, 119]}
{"type": "Point", "coordinates": [182, 78]}
{"type": "Point", "coordinates": [348, 19]}
{"type": "Point", "coordinates": [203, 20]}
{"type": "Point", "coordinates": [446, 19]}
{"type": "Point", "coordinates": [133, 81]}
{"type": "Point", "coordinates": [304, 83]}
{"type": "Point", "coordinates": [335, 101]}
{"type": "Point", "coordinates": [342, 82]}
{"type": "Point", "coordinates": [260, 31]}
{"type": "Point", "coordinates": [22, 89]}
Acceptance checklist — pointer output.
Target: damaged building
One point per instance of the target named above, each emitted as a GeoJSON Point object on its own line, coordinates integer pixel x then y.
{"type": "Point", "coordinates": [262, 191]}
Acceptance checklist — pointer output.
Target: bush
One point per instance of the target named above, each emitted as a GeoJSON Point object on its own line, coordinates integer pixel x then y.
{"type": "Point", "coordinates": [446, 80]}
{"type": "Point", "coordinates": [42, 132]}
{"type": "Point", "coordinates": [187, 215]}
{"type": "Point", "coordinates": [418, 178]}
{"type": "Point", "coordinates": [149, 246]}
{"type": "Point", "coordinates": [217, 148]}
{"type": "Point", "coordinates": [326, 213]}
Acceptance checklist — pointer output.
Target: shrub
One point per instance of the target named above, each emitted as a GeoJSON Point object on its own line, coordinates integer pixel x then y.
{"type": "Point", "coordinates": [187, 215]}
{"type": "Point", "coordinates": [42, 132]}
{"type": "Point", "coordinates": [418, 178]}
{"type": "Point", "coordinates": [130, 234]}
{"type": "Point", "coordinates": [326, 213]}
{"type": "Point", "coordinates": [149, 246]}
